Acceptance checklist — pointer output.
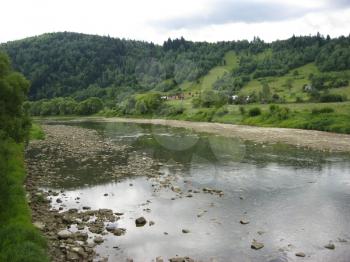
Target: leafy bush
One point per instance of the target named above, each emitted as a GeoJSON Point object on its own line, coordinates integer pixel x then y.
{"type": "Point", "coordinates": [242, 110]}
{"type": "Point", "coordinates": [205, 115]}
{"type": "Point", "coordinates": [89, 106]}
{"type": "Point", "coordinates": [171, 110]}
{"type": "Point", "coordinates": [255, 111]}
{"type": "Point", "coordinates": [326, 98]}
{"type": "Point", "coordinates": [148, 103]}
{"type": "Point", "coordinates": [210, 98]}
{"type": "Point", "coordinates": [221, 112]}
{"type": "Point", "coordinates": [281, 113]}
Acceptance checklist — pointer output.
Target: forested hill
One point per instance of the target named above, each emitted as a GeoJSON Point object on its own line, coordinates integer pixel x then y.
{"type": "Point", "coordinates": [59, 64]}
{"type": "Point", "coordinates": [79, 65]}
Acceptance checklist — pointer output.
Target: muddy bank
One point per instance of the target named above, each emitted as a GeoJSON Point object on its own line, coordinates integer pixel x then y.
{"type": "Point", "coordinates": [72, 234]}
{"type": "Point", "coordinates": [297, 137]}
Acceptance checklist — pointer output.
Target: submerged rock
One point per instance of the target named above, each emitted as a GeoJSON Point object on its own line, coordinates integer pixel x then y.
{"type": "Point", "coordinates": [330, 245]}
{"type": "Point", "coordinates": [111, 227]}
{"type": "Point", "coordinates": [181, 259]}
{"type": "Point", "coordinates": [119, 231]}
{"type": "Point", "coordinates": [256, 245]}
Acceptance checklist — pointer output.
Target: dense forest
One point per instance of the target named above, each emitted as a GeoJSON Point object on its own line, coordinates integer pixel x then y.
{"type": "Point", "coordinates": [62, 64]}
{"type": "Point", "coordinates": [73, 73]}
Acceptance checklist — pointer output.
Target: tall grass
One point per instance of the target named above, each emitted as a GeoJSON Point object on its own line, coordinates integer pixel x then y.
{"type": "Point", "coordinates": [36, 132]}
{"type": "Point", "coordinates": [19, 240]}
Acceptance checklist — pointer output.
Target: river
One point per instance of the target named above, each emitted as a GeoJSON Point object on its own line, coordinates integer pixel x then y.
{"type": "Point", "coordinates": [212, 196]}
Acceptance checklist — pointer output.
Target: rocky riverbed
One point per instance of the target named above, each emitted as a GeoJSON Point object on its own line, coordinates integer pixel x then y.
{"type": "Point", "coordinates": [72, 234]}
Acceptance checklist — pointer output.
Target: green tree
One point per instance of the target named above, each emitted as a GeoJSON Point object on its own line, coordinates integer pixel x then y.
{"type": "Point", "coordinates": [14, 87]}
{"type": "Point", "coordinates": [89, 106]}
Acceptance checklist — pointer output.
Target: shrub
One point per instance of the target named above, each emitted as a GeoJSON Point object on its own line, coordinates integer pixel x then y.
{"type": "Point", "coordinates": [221, 111]}
{"type": "Point", "coordinates": [148, 103]}
{"type": "Point", "coordinates": [209, 98]}
{"type": "Point", "coordinates": [298, 99]}
{"type": "Point", "coordinates": [171, 110]}
{"type": "Point", "coordinates": [281, 113]}
{"type": "Point", "coordinates": [255, 111]}
{"type": "Point", "coordinates": [242, 110]}
{"type": "Point", "coordinates": [326, 98]}
{"type": "Point", "coordinates": [90, 106]}
{"type": "Point", "coordinates": [203, 115]}
{"type": "Point", "coordinates": [324, 110]}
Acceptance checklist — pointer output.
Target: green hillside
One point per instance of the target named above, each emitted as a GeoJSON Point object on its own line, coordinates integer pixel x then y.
{"type": "Point", "coordinates": [232, 82]}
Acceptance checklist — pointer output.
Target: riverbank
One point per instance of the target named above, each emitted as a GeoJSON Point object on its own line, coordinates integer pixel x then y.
{"type": "Point", "coordinates": [19, 240]}
{"type": "Point", "coordinates": [312, 139]}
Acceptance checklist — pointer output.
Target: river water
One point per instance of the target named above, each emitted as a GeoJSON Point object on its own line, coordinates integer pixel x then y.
{"type": "Point", "coordinates": [295, 200]}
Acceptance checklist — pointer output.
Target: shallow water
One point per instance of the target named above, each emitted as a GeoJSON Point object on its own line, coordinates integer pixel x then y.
{"type": "Point", "coordinates": [295, 199]}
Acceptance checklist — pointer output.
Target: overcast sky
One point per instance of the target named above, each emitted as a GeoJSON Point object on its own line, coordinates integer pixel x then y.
{"type": "Point", "coordinates": [156, 20]}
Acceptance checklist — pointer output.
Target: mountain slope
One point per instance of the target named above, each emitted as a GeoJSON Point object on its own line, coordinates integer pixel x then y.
{"type": "Point", "coordinates": [59, 64]}
{"type": "Point", "coordinates": [82, 66]}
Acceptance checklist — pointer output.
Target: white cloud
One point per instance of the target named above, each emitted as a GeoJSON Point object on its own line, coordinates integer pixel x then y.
{"type": "Point", "coordinates": [134, 19]}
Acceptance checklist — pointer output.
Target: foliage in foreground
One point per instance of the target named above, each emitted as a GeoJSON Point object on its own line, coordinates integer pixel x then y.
{"type": "Point", "coordinates": [19, 240]}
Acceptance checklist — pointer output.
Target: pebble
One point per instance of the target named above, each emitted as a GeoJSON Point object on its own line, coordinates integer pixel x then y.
{"type": "Point", "coordinates": [181, 259]}
{"type": "Point", "coordinates": [98, 240]}
{"type": "Point", "coordinates": [64, 234]}
{"type": "Point", "coordinates": [141, 221]}
{"type": "Point", "coordinates": [244, 222]}
{"type": "Point", "coordinates": [256, 245]}
{"type": "Point", "coordinates": [300, 254]}
{"type": "Point", "coordinates": [159, 259]}
{"type": "Point", "coordinates": [39, 225]}
{"type": "Point", "coordinates": [119, 231]}
{"type": "Point", "coordinates": [330, 245]}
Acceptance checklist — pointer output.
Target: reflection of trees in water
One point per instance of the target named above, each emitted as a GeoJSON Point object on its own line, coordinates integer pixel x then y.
{"type": "Point", "coordinates": [179, 144]}
{"type": "Point", "coordinates": [285, 155]}
{"type": "Point", "coordinates": [181, 147]}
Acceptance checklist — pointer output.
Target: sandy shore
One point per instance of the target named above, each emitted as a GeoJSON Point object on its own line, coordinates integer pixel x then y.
{"type": "Point", "coordinates": [297, 137]}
